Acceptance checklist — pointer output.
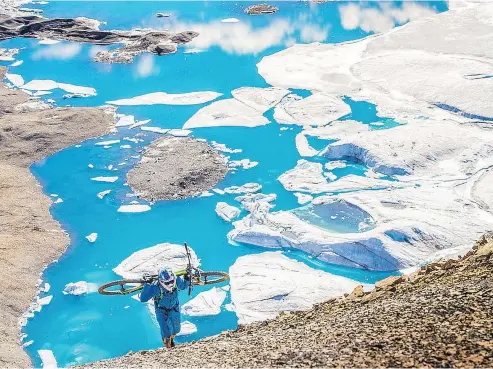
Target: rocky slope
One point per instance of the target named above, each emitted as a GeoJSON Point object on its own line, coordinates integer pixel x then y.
{"type": "Point", "coordinates": [439, 316]}
{"type": "Point", "coordinates": [29, 238]}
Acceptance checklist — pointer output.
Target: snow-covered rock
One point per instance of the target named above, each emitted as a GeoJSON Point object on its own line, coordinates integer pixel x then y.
{"type": "Point", "coordinates": [262, 285]}
{"type": "Point", "coordinates": [205, 303]}
{"type": "Point", "coordinates": [164, 98]}
{"type": "Point", "coordinates": [227, 112]}
{"type": "Point", "coordinates": [134, 208]}
{"type": "Point", "coordinates": [153, 259]}
{"type": "Point", "coordinates": [187, 328]}
{"type": "Point", "coordinates": [226, 211]}
{"type": "Point", "coordinates": [92, 237]}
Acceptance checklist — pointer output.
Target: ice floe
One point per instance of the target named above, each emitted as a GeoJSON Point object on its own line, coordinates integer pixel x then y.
{"type": "Point", "coordinates": [250, 201]}
{"type": "Point", "coordinates": [205, 303]}
{"type": "Point", "coordinates": [303, 198]}
{"type": "Point", "coordinates": [246, 188]}
{"type": "Point", "coordinates": [318, 109]}
{"type": "Point", "coordinates": [46, 84]}
{"type": "Point", "coordinates": [179, 132]}
{"type": "Point", "coordinates": [305, 177]}
{"type": "Point", "coordinates": [48, 41]}
{"type": "Point", "coordinates": [125, 120]}
{"type": "Point", "coordinates": [164, 98]}
{"type": "Point", "coordinates": [155, 129]}
{"type": "Point", "coordinates": [260, 99]}
{"type": "Point", "coordinates": [139, 123]}
{"type": "Point", "coordinates": [15, 79]}
{"type": "Point", "coordinates": [187, 328]}
{"type": "Point", "coordinates": [303, 146]}
{"type": "Point", "coordinates": [227, 112]}
{"type": "Point", "coordinates": [262, 285]}
{"type": "Point", "coordinates": [223, 148]}
{"type": "Point", "coordinates": [92, 237]}
{"type": "Point", "coordinates": [79, 288]}
{"type": "Point", "coordinates": [47, 359]}
{"type": "Point", "coordinates": [109, 179]}
{"type": "Point", "coordinates": [134, 208]}
{"type": "Point", "coordinates": [102, 194]}
{"type": "Point", "coordinates": [243, 163]}
{"type": "Point", "coordinates": [152, 259]}
{"type": "Point", "coordinates": [107, 143]}
{"type": "Point", "coordinates": [17, 63]}
{"type": "Point", "coordinates": [226, 211]}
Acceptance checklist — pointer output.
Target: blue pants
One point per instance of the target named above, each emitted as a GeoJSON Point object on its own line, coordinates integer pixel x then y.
{"type": "Point", "coordinates": [169, 322]}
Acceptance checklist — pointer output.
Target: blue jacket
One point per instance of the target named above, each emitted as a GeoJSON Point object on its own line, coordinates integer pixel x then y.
{"type": "Point", "coordinates": [162, 297]}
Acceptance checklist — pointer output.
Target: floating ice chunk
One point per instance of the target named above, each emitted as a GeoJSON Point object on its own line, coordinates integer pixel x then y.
{"type": "Point", "coordinates": [335, 164]}
{"type": "Point", "coordinates": [305, 177]}
{"type": "Point", "coordinates": [155, 129]}
{"type": "Point", "coordinates": [226, 211]}
{"type": "Point", "coordinates": [17, 63]}
{"type": "Point", "coordinates": [105, 179]}
{"type": "Point", "coordinates": [155, 98]}
{"type": "Point", "coordinates": [92, 237]}
{"type": "Point", "coordinates": [15, 79]}
{"type": "Point", "coordinates": [260, 99]}
{"type": "Point", "coordinates": [223, 148]}
{"type": "Point", "coordinates": [91, 166]}
{"type": "Point", "coordinates": [134, 208]}
{"type": "Point", "coordinates": [140, 123]}
{"type": "Point", "coordinates": [244, 163]}
{"type": "Point", "coordinates": [206, 194]}
{"type": "Point", "coordinates": [230, 307]}
{"type": "Point", "coordinates": [205, 303]}
{"type": "Point", "coordinates": [107, 143]}
{"type": "Point", "coordinates": [125, 147]}
{"type": "Point", "coordinates": [46, 84]}
{"type": "Point", "coordinates": [262, 285]}
{"type": "Point", "coordinates": [79, 288]}
{"type": "Point", "coordinates": [102, 194]}
{"type": "Point", "coordinates": [218, 191]}
{"type": "Point", "coordinates": [246, 188]}
{"type": "Point", "coordinates": [303, 146]}
{"type": "Point", "coordinates": [131, 139]}
{"type": "Point", "coordinates": [40, 93]}
{"type": "Point", "coordinates": [303, 198]}
{"type": "Point", "coordinates": [28, 343]}
{"type": "Point", "coordinates": [125, 120]}
{"type": "Point", "coordinates": [45, 300]}
{"type": "Point", "coordinates": [8, 54]}
{"type": "Point", "coordinates": [46, 287]}
{"type": "Point", "coordinates": [48, 41]}
{"type": "Point", "coordinates": [187, 328]}
{"type": "Point", "coordinates": [228, 112]}
{"type": "Point", "coordinates": [251, 201]}
{"type": "Point", "coordinates": [230, 20]}
{"type": "Point", "coordinates": [152, 259]}
{"type": "Point", "coordinates": [48, 359]}
{"type": "Point", "coordinates": [179, 132]}
{"type": "Point", "coordinates": [58, 201]}
{"type": "Point", "coordinates": [330, 176]}
{"type": "Point", "coordinates": [193, 51]}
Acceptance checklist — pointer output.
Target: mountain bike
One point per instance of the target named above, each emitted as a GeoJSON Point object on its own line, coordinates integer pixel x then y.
{"type": "Point", "coordinates": [197, 276]}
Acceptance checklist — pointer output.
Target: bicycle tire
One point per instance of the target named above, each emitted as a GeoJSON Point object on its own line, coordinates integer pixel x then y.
{"type": "Point", "coordinates": [207, 278]}
{"type": "Point", "coordinates": [103, 289]}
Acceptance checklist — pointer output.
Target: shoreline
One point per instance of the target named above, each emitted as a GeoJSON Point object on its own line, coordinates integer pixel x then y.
{"type": "Point", "coordinates": [31, 238]}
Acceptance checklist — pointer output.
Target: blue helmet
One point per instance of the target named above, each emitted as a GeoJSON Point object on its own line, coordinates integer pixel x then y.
{"type": "Point", "coordinates": [167, 279]}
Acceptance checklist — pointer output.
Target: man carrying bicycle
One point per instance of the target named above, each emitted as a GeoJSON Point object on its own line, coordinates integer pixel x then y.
{"type": "Point", "coordinates": [164, 291]}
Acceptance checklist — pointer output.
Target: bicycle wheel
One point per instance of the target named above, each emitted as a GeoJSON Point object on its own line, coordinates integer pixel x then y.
{"type": "Point", "coordinates": [206, 278]}
{"type": "Point", "coordinates": [121, 287]}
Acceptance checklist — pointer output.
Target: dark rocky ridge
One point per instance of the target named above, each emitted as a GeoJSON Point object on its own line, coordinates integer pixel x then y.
{"type": "Point", "coordinates": [439, 316]}
{"type": "Point", "coordinates": [134, 42]}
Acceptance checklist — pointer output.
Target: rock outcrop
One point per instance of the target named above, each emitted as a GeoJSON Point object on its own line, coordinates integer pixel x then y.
{"type": "Point", "coordinates": [439, 316]}
{"type": "Point", "coordinates": [81, 30]}
{"type": "Point", "coordinates": [29, 238]}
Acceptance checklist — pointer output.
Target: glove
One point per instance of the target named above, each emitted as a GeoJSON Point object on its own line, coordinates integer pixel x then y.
{"type": "Point", "coordinates": [147, 278]}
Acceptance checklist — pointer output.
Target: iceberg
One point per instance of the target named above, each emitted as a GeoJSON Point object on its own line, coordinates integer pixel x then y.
{"type": "Point", "coordinates": [227, 112]}
{"type": "Point", "coordinates": [260, 99]}
{"type": "Point", "coordinates": [205, 303]}
{"type": "Point", "coordinates": [263, 285]}
{"type": "Point", "coordinates": [250, 201]}
{"type": "Point", "coordinates": [303, 146]}
{"type": "Point", "coordinates": [226, 211]}
{"type": "Point", "coordinates": [134, 208]}
{"type": "Point", "coordinates": [187, 328]}
{"type": "Point", "coordinates": [102, 194]}
{"type": "Point", "coordinates": [246, 188]}
{"type": "Point", "coordinates": [48, 359]}
{"type": "Point", "coordinates": [153, 259]}
{"type": "Point", "coordinates": [155, 98]}
{"type": "Point", "coordinates": [318, 109]}
{"type": "Point", "coordinates": [79, 288]}
{"type": "Point", "coordinates": [92, 237]}
{"type": "Point", "coordinates": [104, 179]}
